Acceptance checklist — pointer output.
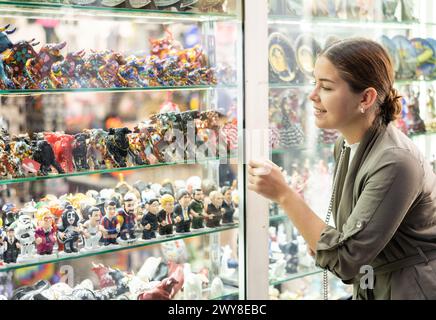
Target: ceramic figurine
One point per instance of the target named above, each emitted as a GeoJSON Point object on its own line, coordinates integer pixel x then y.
{"type": "Point", "coordinates": [62, 145]}
{"type": "Point", "coordinates": [165, 216]}
{"type": "Point", "coordinates": [68, 229]}
{"type": "Point", "coordinates": [126, 218]}
{"type": "Point", "coordinates": [45, 233]}
{"type": "Point", "coordinates": [25, 233]}
{"type": "Point", "coordinates": [110, 223]}
{"type": "Point", "coordinates": [117, 145]}
{"type": "Point", "coordinates": [92, 229]}
{"type": "Point", "coordinates": [150, 220]}
{"type": "Point", "coordinates": [80, 151]}
{"type": "Point", "coordinates": [43, 153]}
{"type": "Point", "coordinates": [196, 209]}
{"type": "Point", "coordinates": [228, 205]}
{"type": "Point", "coordinates": [215, 210]}
{"type": "Point", "coordinates": [182, 215]}
{"type": "Point", "coordinates": [11, 246]}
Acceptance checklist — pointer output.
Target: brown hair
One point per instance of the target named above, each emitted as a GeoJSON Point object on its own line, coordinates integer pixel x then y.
{"type": "Point", "coordinates": [364, 63]}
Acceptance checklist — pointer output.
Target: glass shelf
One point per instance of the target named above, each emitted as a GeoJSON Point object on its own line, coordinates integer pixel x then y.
{"type": "Point", "coordinates": [278, 217]}
{"type": "Point", "coordinates": [290, 277]}
{"type": "Point", "coordinates": [33, 92]}
{"type": "Point", "coordinates": [318, 146]}
{"type": "Point", "coordinates": [85, 173]}
{"type": "Point", "coordinates": [428, 133]}
{"type": "Point", "coordinates": [56, 257]}
{"type": "Point", "coordinates": [308, 86]}
{"type": "Point", "coordinates": [315, 22]}
{"type": "Point", "coordinates": [34, 9]}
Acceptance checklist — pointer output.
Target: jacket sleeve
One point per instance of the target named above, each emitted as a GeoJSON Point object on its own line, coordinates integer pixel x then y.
{"type": "Point", "coordinates": [389, 190]}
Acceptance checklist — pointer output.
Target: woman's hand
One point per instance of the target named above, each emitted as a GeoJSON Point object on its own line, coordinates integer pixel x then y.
{"type": "Point", "coordinates": [267, 179]}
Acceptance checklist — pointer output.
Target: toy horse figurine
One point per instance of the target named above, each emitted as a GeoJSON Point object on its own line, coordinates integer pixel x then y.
{"type": "Point", "coordinates": [5, 44]}
{"type": "Point", "coordinates": [14, 62]}
{"type": "Point", "coordinates": [109, 72]}
{"type": "Point", "coordinates": [90, 72]}
{"type": "Point", "coordinates": [64, 74]}
{"type": "Point", "coordinates": [39, 68]}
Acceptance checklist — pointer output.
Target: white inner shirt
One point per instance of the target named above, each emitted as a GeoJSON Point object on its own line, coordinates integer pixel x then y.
{"type": "Point", "coordinates": [353, 148]}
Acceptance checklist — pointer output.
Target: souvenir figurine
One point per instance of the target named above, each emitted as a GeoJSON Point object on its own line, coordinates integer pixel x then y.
{"type": "Point", "coordinates": [196, 209]}
{"type": "Point", "coordinates": [113, 3]}
{"type": "Point", "coordinates": [92, 229]}
{"type": "Point", "coordinates": [137, 148]}
{"type": "Point", "coordinates": [228, 205]}
{"type": "Point", "coordinates": [20, 150]}
{"type": "Point", "coordinates": [141, 4]}
{"type": "Point", "coordinates": [126, 218]}
{"type": "Point", "coordinates": [68, 229]}
{"type": "Point", "coordinates": [62, 145]}
{"type": "Point", "coordinates": [11, 214]}
{"type": "Point", "coordinates": [25, 233]}
{"type": "Point", "coordinates": [45, 234]}
{"type": "Point", "coordinates": [80, 151]}
{"type": "Point", "coordinates": [11, 246]}
{"type": "Point", "coordinates": [211, 5]}
{"type": "Point", "coordinates": [150, 220]}
{"type": "Point", "coordinates": [214, 210]}
{"type": "Point", "coordinates": [97, 151]}
{"type": "Point", "coordinates": [165, 216]}
{"type": "Point", "coordinates": [109, 72]}
{"type": "Point", "coordinates": [414, 120]}
{"type": "Point", "coordinates": [64, 74]}
{"type": "Point", "coordinates": [43, 153]}
{"type": "Point", "coordinates": [133, 72]}
{"type": "Point", "coordinates": [110, 223]}
{"type": "Point", "coordinates": [118, 145]}
{"type": "Point", "coordinates": [181, 212]}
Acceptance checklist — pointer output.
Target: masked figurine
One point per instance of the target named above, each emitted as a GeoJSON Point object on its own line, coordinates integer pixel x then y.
{"type": "Point", "coordinates": [45, 237]}
{"type": "Point", "coordinates": [181, 212]}
{"type": "Point", "coordinates": [126, 218]}
{"type": "Point", "coordinates": [196, 209]}
{"type": "Point", "coordinates": [110, 223]}
{"type": "Point", "coordinates": [92, 228]}
{"type": "Point", "coordinates": [228, 205]}
{"type": "Point", "coordinates": [214, 210]}
{"type": "Point", "coordinates": [11, 247]}
{"type": "Point", "coordinates": [165, 216]}
{"type": "Point", "coordinates": [25, 233]}
{"type": "Point", "coordinates": [68, 229]}
{"type": "Point", "coordinates": [150, 220]}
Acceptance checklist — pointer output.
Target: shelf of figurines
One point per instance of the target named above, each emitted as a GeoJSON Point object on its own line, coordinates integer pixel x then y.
{"type": "Point", "coordinates": [58, 256]}
{"type": "Point", "coordinates": [140, 11]}
{"type": "Point", "coordinates": [157, 279]}
{"type": "Point", "coordinates": [165, 139]}
{"type": "Point", "coordinates": [336, 22]}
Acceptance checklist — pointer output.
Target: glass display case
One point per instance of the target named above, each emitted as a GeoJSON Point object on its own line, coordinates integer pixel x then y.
{"type": "Point", "coordinates": [298, 31]}
{"type": "Point", "coordinates": [119, 150]}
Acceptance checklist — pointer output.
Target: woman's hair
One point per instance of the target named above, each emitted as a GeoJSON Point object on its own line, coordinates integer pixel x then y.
{"type": "Point", "coordinates": [364, 63]}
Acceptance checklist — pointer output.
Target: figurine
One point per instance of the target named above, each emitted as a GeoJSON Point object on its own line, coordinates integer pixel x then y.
{"type": "Point", "coordinates": [20, 150]}
{"type": "Point", "coordinates": [214, 210]}
{"type": "Point", "coordinates": [25, 233]}
{"type": "Point", "coordinates": [11, 214]}
{"type": "Point", "coordinates": [137, 148]}
{"type": "Point", "coordinates": [118, 145]}
{"type": "Point", "coordinates": [61, 144]}
{"type": "Point", "coordinates": [150, 220]}
{"type": "Point", "coordinates": [181, 212]}
{"type": "Point", "coordinates": [68, 229]}
{"type": "Point", "coordinates": [80, 152]}
{"type": "Point", "coordinates": [165, 216]}
{"type": "Point", "coordinates": [196, 209]}
{"type": "Point", "coordinates": [92, 228]}
{"type": "Point", "coordinates": [109, 72]}
{"type": "Point", "coordinates": [64, 74]}
{"type": "Point", "coordinates": [5, 44]}
{"type": "Point", "coordinates": [11, 246]}
{"type": "Point", "coordinates": [45, 237]}
{"type": "Point", "coordinates": [97, 151]}
{"type": "Point", "coordinates": [228, 205]}
{"type": "Point", "coordinates": [126, 218]}
{"type": "Point", "coordinates": [110, 223]}
{"type": "Point", "coordinates": [43, 153]}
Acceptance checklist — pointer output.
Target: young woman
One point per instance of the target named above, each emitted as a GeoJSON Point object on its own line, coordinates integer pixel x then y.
{"type": "Point", "coordinates": [384, 192]}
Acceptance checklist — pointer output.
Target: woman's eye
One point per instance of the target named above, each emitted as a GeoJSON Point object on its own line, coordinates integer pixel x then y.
{"type": "Point", "coordinates": [327, 89]}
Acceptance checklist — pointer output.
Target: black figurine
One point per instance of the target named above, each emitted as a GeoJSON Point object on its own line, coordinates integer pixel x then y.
{"type": "Point", "coordinates": [181, 212]}
{"type": "Point", "coordinates": [117, 145]}
{"type": "Point", "coordinates": [150, 221]}
{"type": "Point", "coordinates": [68, 230]}
{"type": "Point", "coordinates": [80, 152]}
{"type": "Point", "coordinates": [12, 247]}
{"type": "Point", "coordinates": [42, 152]}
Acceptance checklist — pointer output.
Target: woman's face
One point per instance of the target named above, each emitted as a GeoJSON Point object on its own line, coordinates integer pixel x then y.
{"type": "Point", "coordinates": [335, 105]}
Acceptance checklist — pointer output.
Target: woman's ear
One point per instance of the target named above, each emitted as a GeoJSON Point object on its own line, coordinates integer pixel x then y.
{"type": "Point", "coordinates": [369, 97]}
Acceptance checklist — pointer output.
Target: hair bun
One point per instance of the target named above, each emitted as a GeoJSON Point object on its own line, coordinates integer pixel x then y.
{"type": "Point", "coordinates": [391, 107]}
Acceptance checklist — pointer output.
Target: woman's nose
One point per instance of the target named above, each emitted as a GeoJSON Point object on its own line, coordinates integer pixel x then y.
{"type": "Point", "coordinates": [314, 95]}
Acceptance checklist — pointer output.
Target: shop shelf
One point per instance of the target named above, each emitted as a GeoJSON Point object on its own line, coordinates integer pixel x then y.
{"type": "Point", "coordinates": [33, 92]}
{"type": "Point", "coordinates": [290, 277]}
{"type": "Point", "coordinates": [56, 257]}
{"type": "Point", "coordinates": [279, 217]}
{"type": "Point", "coordinates": [315, 22]}
{"type": "Point", "coordinates": [35, 9]}
{"type": "Point", "coordinates": [93, 172]}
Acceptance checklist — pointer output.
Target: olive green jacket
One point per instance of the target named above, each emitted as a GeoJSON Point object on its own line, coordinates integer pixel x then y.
{"type": "Point", "coordinates": [384, 211]}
